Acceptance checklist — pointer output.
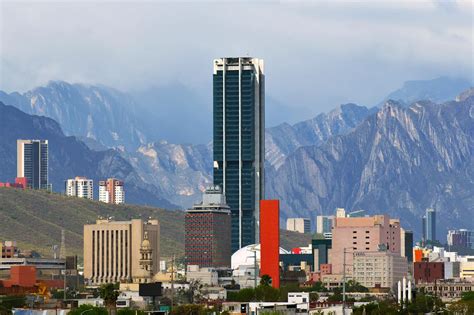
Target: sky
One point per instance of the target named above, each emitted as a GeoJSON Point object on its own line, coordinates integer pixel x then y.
{"type": "Point", "coordinates": [317, 54]}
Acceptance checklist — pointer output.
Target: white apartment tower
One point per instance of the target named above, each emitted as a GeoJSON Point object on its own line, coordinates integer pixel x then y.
{"type": "Point", "coordinates": [111, 191]}
{"type": "Point", "coordinates": [80, 187]}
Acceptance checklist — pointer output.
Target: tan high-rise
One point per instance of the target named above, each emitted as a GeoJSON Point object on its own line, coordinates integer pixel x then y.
{"type": "Point", "coordinates": [112, 250]}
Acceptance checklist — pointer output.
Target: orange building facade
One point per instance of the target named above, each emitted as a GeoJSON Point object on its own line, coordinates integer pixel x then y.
{"type": "Point", "coordinates": [270, 240]}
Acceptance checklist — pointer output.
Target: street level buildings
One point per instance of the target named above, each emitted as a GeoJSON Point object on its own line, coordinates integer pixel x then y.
{"type": "Point", "coordinates": [32, 163]}
{"type": "Point", "coordinates": [300, 225]}
{"type": "Point", "coordinates": [207, 227]}
{"type": "Point", "coordinates": [239, 142]}
{"type": "Point", "coordinates": [121, 251]}
{"type": "Point", "coordinates": [80, 187]}
{"type": "Point", "coordinates": [111, 191]}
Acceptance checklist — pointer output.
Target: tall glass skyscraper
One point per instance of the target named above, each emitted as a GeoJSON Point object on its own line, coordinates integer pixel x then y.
{"type": "Point", "coordinates": [32, 162]}
{"type": "Point", "coordinates": [430, 225]}
{"type": "Point", "coordinates": [239, 142]}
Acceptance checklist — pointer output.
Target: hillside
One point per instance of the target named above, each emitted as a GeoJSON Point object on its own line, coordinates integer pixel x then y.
{"type": "Point", "coordinates": [35, 219]}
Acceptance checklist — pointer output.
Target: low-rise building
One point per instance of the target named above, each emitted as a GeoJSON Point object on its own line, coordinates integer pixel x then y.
{"type": "Point", "coordinates": [449, 289]}
{"type": "Point", "coordinates": [206, 275]}
{"type": "Point", "coordinates": [427, 272]}
{"type": "Point", "coordinates": [379, 269]}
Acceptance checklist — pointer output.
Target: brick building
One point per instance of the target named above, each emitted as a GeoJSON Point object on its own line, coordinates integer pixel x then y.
{"type": "Point", "coordinates": [208, 231]}
{"type": "Point", "coordinates": [428, 271]}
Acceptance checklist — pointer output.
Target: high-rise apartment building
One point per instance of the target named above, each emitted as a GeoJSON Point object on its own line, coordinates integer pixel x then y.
{"type": "Point", "coordinates": [429, 225]}
{"type": "Point", "coordinates": [207, 227]}
{"type": "Point", "coordinates": [32, 162]}
{"type": "Point", "coordinates": [239, 142]}
{"type": "Point", "coordinates": [121, 251]}
{"type": "Point", "coordinates": [111, 191]}
{"type": "Point", "coordinates": [363, 234]}
{"type": "Point", "coordinates": [300, 225]}
{"type": "Point", "coordinates": [80, 187]}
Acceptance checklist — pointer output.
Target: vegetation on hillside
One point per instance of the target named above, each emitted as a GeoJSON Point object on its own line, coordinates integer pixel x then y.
{"type": "Point", "coordinates": [35, 218]}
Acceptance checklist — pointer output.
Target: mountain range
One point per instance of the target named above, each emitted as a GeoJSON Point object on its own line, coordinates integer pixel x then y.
{"type": "Point", "coordinates": [324, 161]}
{"type": "Point", "coordinates": [69, 157]}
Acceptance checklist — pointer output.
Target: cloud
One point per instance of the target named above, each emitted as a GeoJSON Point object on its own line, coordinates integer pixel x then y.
{"type": "Point", "coordinates": [317, 54]}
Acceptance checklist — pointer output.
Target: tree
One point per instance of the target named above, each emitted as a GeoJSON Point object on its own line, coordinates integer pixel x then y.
{"type": "Point", "coordinates": [265, 280]}
{"type": "Point", "coordinates": [91, 310]}
{"type": "Point", "coordinates": [109, 292]}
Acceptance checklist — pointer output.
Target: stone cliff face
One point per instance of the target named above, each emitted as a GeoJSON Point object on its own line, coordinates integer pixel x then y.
{"type": "Point", "coordinates": [399, 160]}
{"type": "Point", "coordinates": [97, 112]}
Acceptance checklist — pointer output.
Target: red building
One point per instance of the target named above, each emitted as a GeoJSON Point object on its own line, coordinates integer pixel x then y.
{"type": "Point", "coordinates": [428, 272]}
{"type": "Point", "coordinates": [270, 240]}
{"type": "Point", "coordinates": [20, 182]}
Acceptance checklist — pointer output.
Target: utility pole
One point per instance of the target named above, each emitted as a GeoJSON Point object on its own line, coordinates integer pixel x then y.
{"type": "Point", "coordinates": [255, 268]}
{"type": "Point", "coordinates": [344, 283]}
{"type": "Point", "coordinates": [172, 281]}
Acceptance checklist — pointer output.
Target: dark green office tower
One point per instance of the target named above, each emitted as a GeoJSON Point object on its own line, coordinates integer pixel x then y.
{"type": "Point", "coordinates": [239, 142]}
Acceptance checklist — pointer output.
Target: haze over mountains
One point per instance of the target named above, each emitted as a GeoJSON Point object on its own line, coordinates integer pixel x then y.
{"type": "Point", "coordinates": [394, 158]}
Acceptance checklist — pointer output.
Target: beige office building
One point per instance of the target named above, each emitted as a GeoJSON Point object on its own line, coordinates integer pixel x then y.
{"type": "Point", "coordinates": [121, 251]}
{"type": "Point", "coordinates": [301, 225]}
{"type": "Point", "coordinates": [381, 268]}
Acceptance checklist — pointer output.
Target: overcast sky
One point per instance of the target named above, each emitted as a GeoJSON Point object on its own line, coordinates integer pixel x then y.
{"type": "Point", "coordinates": [317, 54]}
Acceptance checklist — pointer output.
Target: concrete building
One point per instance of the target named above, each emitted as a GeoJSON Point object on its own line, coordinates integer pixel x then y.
{"type": "Point", "coordinates": [300, 225]}
{"type": "Point", "coordinates": [32, 162]}
{"type": "Point", "coordinates": [462, 238]}
{"type": "Point", "coordinates": [206, 276]}
{"type": "Point", "coordinates": [9, 249]}
{"type": "Point", "coordinates": [207, 228]}
{"type": "Point", "coordinates": [382, 268]}
{"type": "Point", "coordinates": [324, 224]}
{"type": "Point", "coordinates": [239, 142]}
{"type": "Point", "coordinates": [80, 187]}
{"type": "Point", "coordinates": [111, 191]}
{"type": "Point", "coordinates": [467, 269]}
{"type": "Point", "coordinates": [321, 249]}
{"type": "Point", "coordinates": [369, 234]}
{"type": "Point", "coordinates": [114, 251]}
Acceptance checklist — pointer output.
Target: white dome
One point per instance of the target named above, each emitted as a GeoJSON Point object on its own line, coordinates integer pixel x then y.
{"type": "Point", "coordinates": [245, 256]}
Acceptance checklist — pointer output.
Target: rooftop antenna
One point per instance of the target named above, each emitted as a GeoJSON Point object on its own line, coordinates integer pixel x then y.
{"type": "Point", "coordinates": [62, 253]}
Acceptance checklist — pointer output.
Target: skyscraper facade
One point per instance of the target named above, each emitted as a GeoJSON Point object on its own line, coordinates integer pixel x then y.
{"type": "Point", "coordinates": [239, 142]}
{"type": "Point", "coordinates": [32, 162]}
{"type": "Point", "coordinates": [430, 225]}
